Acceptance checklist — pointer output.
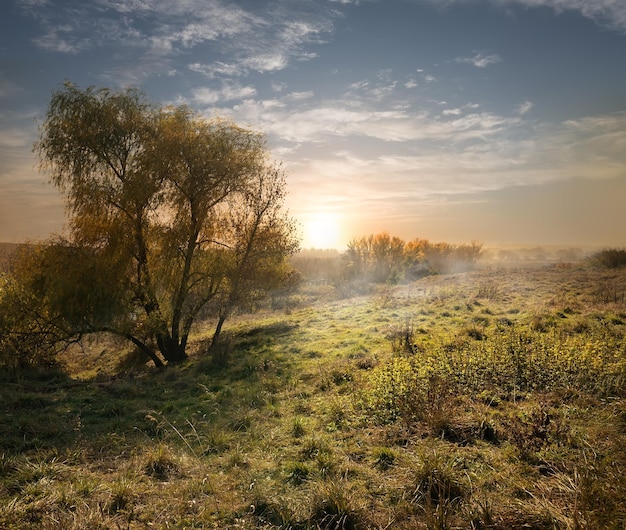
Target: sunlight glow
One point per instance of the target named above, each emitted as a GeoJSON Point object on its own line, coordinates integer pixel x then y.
{"type": "Point", "coordinates": [322, 231]}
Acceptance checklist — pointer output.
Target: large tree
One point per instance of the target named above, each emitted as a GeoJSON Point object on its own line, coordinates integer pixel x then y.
{"type": "Point", "coordinates": [172, 216]}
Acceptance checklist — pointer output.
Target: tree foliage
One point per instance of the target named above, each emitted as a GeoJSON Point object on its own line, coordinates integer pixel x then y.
{"type": "Point", "coordinates": [383, 258]}
{"type": "Point", "coordinates": [172, 217]}
{"type": "Point", "coordinates": [609, 258]}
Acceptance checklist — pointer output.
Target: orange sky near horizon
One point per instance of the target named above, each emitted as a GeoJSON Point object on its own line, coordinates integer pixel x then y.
{"type": "Point", "coordinates": [500, 122]}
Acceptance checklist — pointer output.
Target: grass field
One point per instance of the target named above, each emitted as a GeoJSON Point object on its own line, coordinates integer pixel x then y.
{"type": "Point", "coordinates": [493, 399]}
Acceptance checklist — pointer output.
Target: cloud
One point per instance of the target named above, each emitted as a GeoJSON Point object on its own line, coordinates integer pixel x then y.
{"type": "Point", "coordinates": [608, 13]}
{"type": "Point", "coordinates": [407, 153]}
{"type": "Point", "coordinates": [154, 32]}
{"type": "Point", "coordinates": [524, 108]}
{"type": "Point", "coordinates": [479, 60]}
{"type": "Point", "coordinates": [361, 116]}
{"type": "Point", "coordinates": [374, 92]}
{"type": "Point", "coordinates": [15, 137]}
{"type": "Point", "coordinates": [228, 92]}
{"type": "Point", "coordinates": [61, 39]}
{"type": "Point", "coordinates": [301, 95]}
{"type": "Point", "coordinates": [217, 69]}
{"type": "Point", "coordinates": [269, 62]}
{"type": "Point", "coordinates": [588, 148]}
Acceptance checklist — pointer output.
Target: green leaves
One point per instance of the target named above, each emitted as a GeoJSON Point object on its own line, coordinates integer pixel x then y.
{"type": "Point", "coordinates": [169, 212]}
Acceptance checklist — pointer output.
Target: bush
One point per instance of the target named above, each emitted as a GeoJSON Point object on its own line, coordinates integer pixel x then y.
{"type": "Point", "coordinates": [407, 390]}
{"type": "Point", "coordinates": [28, 337]}
{"type": "Point", "coordinates": [609, 258]}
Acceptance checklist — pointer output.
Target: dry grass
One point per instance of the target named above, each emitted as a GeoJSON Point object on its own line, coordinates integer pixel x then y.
{"type": "Point", "coordinates": [502, 407]}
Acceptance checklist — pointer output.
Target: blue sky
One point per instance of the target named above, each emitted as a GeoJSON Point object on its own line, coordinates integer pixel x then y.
{"type": "Point", "coordinates": [502, 121]}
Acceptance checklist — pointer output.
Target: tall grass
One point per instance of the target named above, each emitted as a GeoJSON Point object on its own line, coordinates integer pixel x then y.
{"type": "Point", "coordinates": [484, 400]}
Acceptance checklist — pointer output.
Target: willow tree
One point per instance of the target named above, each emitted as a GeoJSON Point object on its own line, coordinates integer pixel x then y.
{"type": "Point", "coordinates": [181, 216]}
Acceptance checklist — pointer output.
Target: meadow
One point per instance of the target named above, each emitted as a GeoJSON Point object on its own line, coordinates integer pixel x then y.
{"type": "Point", "coordinates": [490, 399]}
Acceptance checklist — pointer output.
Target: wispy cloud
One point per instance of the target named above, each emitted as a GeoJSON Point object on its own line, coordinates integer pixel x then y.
{"type": "Point", "coordinates": [62, 39]}
{"type": "Point", "coordinates": [217, 69]}
{"type": "Point", "coordinates": [228, 92]}
{"type": "Point", "coordinates": [426, 155]}
{"type": "Point", "coordinates": [359, 115]}
{"type": "Point", "coordinates": [589, 148]}
{"type": "Point", "coordinates": [524, 108]}
{"type": "Point", "coordinates": [480, 60]}
{"type": "Point", "coordinates": [608, 13]}
{"type": "Point", "coordinates": [242, 40]}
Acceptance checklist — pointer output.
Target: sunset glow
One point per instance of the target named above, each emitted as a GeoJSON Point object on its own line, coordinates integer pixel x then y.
{"type": "Point", "coordinates": [442, 120]}
{"type": "Point", "coordinates": [322, 231]}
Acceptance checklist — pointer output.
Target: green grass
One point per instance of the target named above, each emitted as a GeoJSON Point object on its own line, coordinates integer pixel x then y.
{"type": "Point", "coordinates": [486, 400]}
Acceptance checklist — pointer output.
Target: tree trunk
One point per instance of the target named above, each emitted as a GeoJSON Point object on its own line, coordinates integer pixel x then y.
{"type": "Point", "coordinates": [172, 351]}
{"type": "Point", "coordinates": [217, 354]}
{"type": "Point", "coordinates": [148, 351]}
{"type": "Point", "coordinates": [153, 356]}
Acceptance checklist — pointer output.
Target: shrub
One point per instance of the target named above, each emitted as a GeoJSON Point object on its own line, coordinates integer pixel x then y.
{"type": "Point", "coordinates": [29, 337]}
{"type": "Point", "coordinates": [609, 258]}
{"type": "Point", "coordinates": [409, 390]}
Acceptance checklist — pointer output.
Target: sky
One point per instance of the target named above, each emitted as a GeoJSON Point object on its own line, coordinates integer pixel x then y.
{"type": "Point", "coordinates": [498, 121]}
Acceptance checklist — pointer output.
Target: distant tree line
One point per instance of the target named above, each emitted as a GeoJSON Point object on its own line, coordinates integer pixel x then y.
{"type": "Point", "coordinates": [383, 258]}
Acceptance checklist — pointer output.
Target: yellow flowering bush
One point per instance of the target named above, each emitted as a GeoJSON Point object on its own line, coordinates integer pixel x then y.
{"type": "Point", "coordinates": [505, 363]}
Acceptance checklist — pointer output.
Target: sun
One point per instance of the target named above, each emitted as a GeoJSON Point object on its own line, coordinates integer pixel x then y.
{"type": "Point", "coordinates": [322, 231]}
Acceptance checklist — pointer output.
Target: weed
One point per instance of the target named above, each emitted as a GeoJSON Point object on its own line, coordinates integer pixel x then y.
{"type": "Point", "coordinates": [297, 472]}
{"type": "Point", "coordinates": [475, 332]}
{"type": "Point", "coordinates": [275, 514]}
{"type": "Point", "coordinates": [403, 337]}
{"type": "Point", "coordinates": [337, 411]}
{"type": "Point", "coordinates": [488, 289]}
{"type": "Point", "coordinates": [313, 447]}
{"type": "Point", "coordinates": [436, 482]}
{"type": "Point", "coordinates": [160, 464]}
{"type": "Point", "coordinates": [333, 508]}
{"type": "Point", "coordinates": [384, 458]}
{"type": "Point", "coordinates": [609, 292]}
{"type": "Point", "coordinates": [535, 427]}
{"type": "Point", "coordinates": [241, 423]}
{"type": "Point", "coordinates": [237, 458]}
{"type": "Point", "coordinates": [122, 494]}
{"type": "Point", "coordinates": [297, 429]}
{"type": "Point", "coordinates": [326, 464]}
